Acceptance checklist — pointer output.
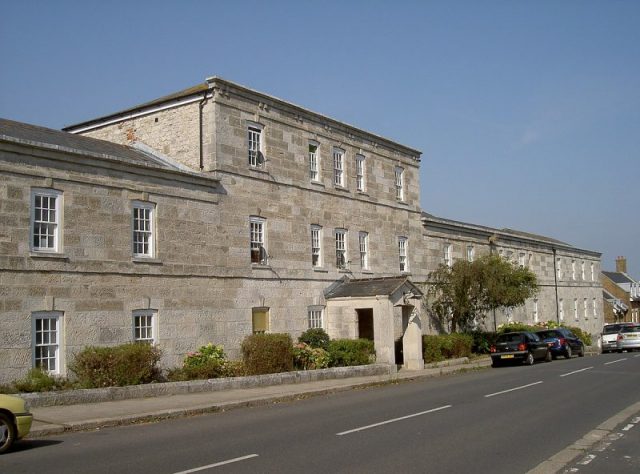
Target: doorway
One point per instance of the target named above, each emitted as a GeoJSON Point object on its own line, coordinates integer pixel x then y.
{"type": "Point", "coordinates": [365, 323]}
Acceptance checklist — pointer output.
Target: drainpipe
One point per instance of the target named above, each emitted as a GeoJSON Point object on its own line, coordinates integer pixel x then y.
{"type": "Point", "coordinates": [200, 107]}
{"type": "Point", "coordinates": [555, 279]}
{"type": "Point", "coordinates": [492, 242]}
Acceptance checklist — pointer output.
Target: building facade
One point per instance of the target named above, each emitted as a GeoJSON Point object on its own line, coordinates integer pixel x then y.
{"type": "Point", "coordinates": [621, 294]}
{"type": "Point", "coordinates": [218, 212]}
{"type": "Point", "coordinates": [569, 289]}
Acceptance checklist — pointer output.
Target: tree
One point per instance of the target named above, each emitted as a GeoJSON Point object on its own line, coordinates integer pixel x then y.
{"type": "Point", "coordinates": [462, 293]}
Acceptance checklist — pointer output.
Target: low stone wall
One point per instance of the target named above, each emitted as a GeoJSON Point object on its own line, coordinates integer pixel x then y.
{"type": "Point", "coordinates": [72, 397]}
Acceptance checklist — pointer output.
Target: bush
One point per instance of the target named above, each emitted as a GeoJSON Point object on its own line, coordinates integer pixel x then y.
{"type": "Point", "coordinates": [482, 341]}
{"type": "Point", "coordinates": [583, 335]}
{"type": "Point", "coordinates": [446, 346]}
{"type": "Point", "coordinates": [306, 357]}
{"type": "Point", "coordinates": [315, 337]}
{"type": "Point", "coordinates": [38, 380]}
{"type": "Point", "coordinates": [127, 364]}
{"type": "Point", "coordinates": [350, 352]}
{"type": "Point", "coordinates": [208, 362]}
{"type": "Point", "coordinates": [267, 353]}
{"type": "Point", "coordinates": [511, 327]}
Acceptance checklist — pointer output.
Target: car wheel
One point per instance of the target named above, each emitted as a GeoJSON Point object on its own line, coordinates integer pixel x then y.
{"type": "Point", "coordinates": [581, 353]}
{"type": "Point", "coordinates": [567, 352]}
{"type": "Point", "coordinates": [548, 357]}
{"type": "Point", "coordinates": [619, 351]}
{"type": "Point", "coordinates": [7, 432]}
{"type": "Point", "coordinates": [529, 360]}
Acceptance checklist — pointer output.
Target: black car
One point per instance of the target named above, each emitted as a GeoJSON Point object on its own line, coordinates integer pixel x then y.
{"type": "Point", "coordinates": [562, 342]}
{"type": "Point", "coordinates": [522, 346]}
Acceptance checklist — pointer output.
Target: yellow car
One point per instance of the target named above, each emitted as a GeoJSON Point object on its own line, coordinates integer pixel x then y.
{"type": "Point", "coordinates": [15, 421]}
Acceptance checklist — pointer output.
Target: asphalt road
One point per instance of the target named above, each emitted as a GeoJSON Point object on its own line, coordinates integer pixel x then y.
{"type": "Point", "coordinates": [508, 419]}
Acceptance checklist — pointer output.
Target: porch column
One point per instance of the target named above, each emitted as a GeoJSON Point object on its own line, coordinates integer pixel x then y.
{"type": "Point", "coordinates": [412, 341]}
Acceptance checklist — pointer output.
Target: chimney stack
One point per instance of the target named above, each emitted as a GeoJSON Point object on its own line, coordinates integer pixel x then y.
{"type": "Point", "coordinates": [621, 265]}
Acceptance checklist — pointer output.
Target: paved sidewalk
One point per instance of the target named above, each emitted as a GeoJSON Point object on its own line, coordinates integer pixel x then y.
{"type": "Point", "coordinates": [57, 419]}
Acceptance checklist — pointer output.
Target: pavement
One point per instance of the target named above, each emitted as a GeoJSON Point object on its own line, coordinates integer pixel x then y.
{"type": "Point", "coordinates": [52, 420]}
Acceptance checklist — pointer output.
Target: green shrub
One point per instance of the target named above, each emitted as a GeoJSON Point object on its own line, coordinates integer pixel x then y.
{"type": "Point", "coordinates": [38, 380]}
{"type": "Point", "coordinates": [513, 327]}
{"type": "Point", "coordinates": [127, 364]}
{"type": "Point", "coordinates": [8, 388]}
{"type": "Point", "coordinates": [306, 357]}
{"type": "Point", "coordinates": [482, 341]}
{"type": "Point", "coordinates": [208, 362]}
{"type": "Point", "coordinates": [446, 346]}
{"type": "Point", "coordinates": [350, 352]}
{"type": "Point", "coordinates": [432, 348]}
{"type": "Point", "coordinates": [585, 336]}
{"type": "Point", "coordinates": [267, 353]}
{"type": "Point", "coordinates": [315, 337]}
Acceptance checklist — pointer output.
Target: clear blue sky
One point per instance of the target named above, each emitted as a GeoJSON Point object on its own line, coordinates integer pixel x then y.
{"type": "Point", "coordinates": [527, 112]}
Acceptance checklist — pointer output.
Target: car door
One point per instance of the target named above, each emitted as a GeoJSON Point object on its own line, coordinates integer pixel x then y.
{"type": "Point", "coordinates": [538, 346]}
{"type": "Point", "coordinates": [573, 341]}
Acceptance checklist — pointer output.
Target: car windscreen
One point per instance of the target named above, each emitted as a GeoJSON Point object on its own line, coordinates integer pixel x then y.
{"type": "Point", "coordinates": [630, 329]}
{"type": "Point", "coordinates": [510, 338]}
{"type": "Point", "coordinates": [614, 328]}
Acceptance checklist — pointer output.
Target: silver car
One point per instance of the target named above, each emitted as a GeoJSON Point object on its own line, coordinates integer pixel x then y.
{"type": "Point", "coordinates": [628, 338]}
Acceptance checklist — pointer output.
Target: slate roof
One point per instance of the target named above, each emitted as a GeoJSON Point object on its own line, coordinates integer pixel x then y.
{"type": "Point", "coordinates": [618, 278]}
{"type": "Point", "coordinates": [200, 89]}
{"type": "Point", "coordinates": [370, 287]}
{"type": "Point", "coordinates": [176, 96]}
{"type": "Point", "coordinates": [28, 134]}
{"type": "Point", "coordinates": [494, 230]}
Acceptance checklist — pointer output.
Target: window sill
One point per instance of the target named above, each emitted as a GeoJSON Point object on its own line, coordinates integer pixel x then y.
{"type": "Point", "coordinates": [53, 255]}
{"type": "Point", "coordinates": [260, 266]}
{"type": "Point", "coordinates": [320, 184]}
{"type": "Point", "coordinates": [258, 170]}
{"type": "Point", "coordinates": [320, 270]}
{"type": "Point", "coordinates": [402, 202]}
{"type": "Point", "coordinates": [337, 187]}
{"type": "Point", "coordinates": [366, 271]}
{"type": "Point", "coordinates": [363, 193]}
{"type": "Point", "coordinates": [153, 261]}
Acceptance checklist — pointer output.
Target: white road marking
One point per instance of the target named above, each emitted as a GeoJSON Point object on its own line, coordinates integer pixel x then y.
{"type": "Point", "coordinates": [637, 355]}
{"type": "Point", "coordinates": [628, 427]}
{"type": "Point", "coordinates": [587, 459]}
{"type": "Point", "coordinates": [512, 389]}
{"type": "Point", "coordinates": [393, 420]}
{"type": "Point", "coordinates": [615, 361]}
{"type": "Point", "coordinates": [636, 420]}
{"type": "Point", "coordinates": [222, 463]}
{"type": "Point", "coordinates": [576, 371]}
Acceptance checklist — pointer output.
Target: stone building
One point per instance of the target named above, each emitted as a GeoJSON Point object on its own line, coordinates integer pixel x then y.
{"type": "Point", "coordinates": [219, 211]}
{"type": "Point", "coordinates": [570, 292]}
{"type": "Point", "coordinates": [279, 204]}
{"type": "Point", "coordinates": [621, 294]}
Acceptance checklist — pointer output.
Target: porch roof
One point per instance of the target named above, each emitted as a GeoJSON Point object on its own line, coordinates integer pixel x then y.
{"type": "Point", "coordinates": [358, 288]}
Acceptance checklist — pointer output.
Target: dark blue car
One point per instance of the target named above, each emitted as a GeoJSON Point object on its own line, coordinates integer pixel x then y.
{"type": "Point", "coordinates": [562, 342]}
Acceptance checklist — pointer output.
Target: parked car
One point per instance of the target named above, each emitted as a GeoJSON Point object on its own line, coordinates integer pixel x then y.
{"type": "Point", "coordinates": [628, 338]}
{"type": "Point", "coordinates": [562, 342]}
{"type": "Point", "coordinates": [521, 346]}
{"type": "Point", "coordinates": [609, 337]}
{"type": "Point", "coordinates": [15, 421]}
